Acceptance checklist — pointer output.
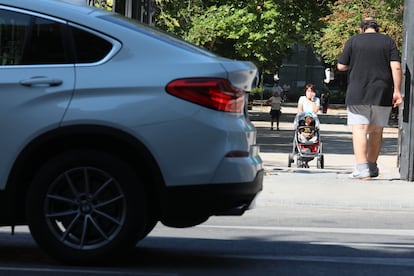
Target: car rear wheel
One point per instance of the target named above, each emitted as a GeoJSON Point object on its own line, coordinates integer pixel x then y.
{"type": "Point", "coordinates": [84, 206]}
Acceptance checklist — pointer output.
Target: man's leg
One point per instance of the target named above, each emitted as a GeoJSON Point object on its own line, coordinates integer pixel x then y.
{"type": "Point", "coordinates": [360, 143]}
{"type": "Point", "coordinates": [379, 119]}
{"type": "Point", "coordinates": [374, 143]}
{"type": "Point", "coordinates": [374, 148]}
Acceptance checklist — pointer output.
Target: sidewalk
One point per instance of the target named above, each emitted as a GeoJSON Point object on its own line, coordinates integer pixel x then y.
{"type": "Point", "coordinates": [330, 186]}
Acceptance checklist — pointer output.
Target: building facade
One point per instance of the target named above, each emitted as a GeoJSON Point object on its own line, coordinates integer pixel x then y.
{"type": "Point", "coordinates": [301, 67]}
{"type": "Point", "coordinates": [142, 10]}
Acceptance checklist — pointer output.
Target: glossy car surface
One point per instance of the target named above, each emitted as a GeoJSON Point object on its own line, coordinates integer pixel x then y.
{"type": "Point", "coordinates": [110, 126]}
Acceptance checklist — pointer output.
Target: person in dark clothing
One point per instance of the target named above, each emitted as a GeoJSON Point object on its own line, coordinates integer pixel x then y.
{"type": "Point", "coordinates": [374, 87]}
{"type": "Point", "coordinates": [325, 102]}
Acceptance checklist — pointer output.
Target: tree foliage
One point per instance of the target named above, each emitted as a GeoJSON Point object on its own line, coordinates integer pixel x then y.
{"type": "Point", "coordinates": [263, 31]}
{"type": "Point", "coordinates": [344, 20]}
{"type": "Point", "coordinates": [258, 30]}
{"type": "Point", "coordinates": [105, 4]}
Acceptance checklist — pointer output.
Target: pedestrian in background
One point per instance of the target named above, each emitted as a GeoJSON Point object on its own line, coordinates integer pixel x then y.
{"type": "Point", "coordinates": [309, 102]}
{"type": "Point", "coordinates": [275, 107]}
{"type": "Point", "coordinates": [374, 87]}
{"type": "Point", "coordinates": [324, 102]}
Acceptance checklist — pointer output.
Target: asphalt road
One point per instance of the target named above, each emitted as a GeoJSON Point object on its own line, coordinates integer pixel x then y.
{"type": "Point", "coordinates": [284, 239]}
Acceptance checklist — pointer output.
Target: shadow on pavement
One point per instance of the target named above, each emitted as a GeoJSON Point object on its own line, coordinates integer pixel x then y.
{"type": "Point", "coordinates": [335, 136]}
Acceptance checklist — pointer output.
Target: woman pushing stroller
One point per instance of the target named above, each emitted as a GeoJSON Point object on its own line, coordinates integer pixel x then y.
{"type": "Point", "coordinates": [308, 107]}
{"type": "Point", "coordinates": [309, 102]}
{"type": "Point", "coordinates": [306, 142]}
{"type": "Point", "coordinates": [306, 119]}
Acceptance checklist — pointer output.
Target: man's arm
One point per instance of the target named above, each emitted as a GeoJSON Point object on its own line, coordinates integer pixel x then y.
{"type": "Point", "coordinates": [342, 67]}
{"type": "Point", "coordinates": [397, 79]}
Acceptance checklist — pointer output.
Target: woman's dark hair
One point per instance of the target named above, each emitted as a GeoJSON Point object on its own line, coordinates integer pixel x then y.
{"type": "Point", "coordinates": [369, 23]}
{"type": "Point", "coordinates": [311, 86]}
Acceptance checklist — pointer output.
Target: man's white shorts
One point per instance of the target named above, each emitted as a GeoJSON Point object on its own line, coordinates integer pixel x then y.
{"type": "Point", "coordinates": [368, 115]}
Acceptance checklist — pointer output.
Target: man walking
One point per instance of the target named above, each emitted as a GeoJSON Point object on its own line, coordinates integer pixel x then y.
{"type": "Point", "coordinates": [374, 87]}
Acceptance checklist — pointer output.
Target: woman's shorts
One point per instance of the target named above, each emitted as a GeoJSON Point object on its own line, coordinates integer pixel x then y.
{"type": "Point", "coordinates": [368, 115]}
{"type": "Point", "coordinates": [275, 114]}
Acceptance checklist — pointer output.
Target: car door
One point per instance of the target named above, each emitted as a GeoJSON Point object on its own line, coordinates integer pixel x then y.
{"type": "Point", "coordinates": [36, 80]}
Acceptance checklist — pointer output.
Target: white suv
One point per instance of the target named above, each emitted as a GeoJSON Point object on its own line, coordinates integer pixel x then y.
{"type": "Point", "coordinates": [109, 127]}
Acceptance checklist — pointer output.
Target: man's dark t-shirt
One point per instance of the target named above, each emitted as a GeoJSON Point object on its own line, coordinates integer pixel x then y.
{"type": "Point", "coordinates": [368, 56]}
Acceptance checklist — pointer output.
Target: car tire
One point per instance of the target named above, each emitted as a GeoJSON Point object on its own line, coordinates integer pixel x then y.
{"type": "Point", "coordinates": [85, 206]}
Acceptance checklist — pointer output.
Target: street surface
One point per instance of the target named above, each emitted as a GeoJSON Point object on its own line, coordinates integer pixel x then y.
{"type": "Point", "coordinates": [306, 222]}
{"type": "Point", "coordinates": [269, 240]}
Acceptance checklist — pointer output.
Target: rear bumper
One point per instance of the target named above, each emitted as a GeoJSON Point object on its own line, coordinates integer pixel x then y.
{"type": "Point", "coordinates": [187, 206]}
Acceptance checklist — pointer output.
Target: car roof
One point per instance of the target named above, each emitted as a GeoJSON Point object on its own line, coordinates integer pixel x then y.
{"type": "Point", "coordinates": [68, 9]}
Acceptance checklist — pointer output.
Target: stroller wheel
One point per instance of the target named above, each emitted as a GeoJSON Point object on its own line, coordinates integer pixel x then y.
{"type": "Point", "coordinates": [290, 161]}
{"type": "Point", "coordinates": [320, 162]}
{"type": "Point", "coordinates": [299, 163]}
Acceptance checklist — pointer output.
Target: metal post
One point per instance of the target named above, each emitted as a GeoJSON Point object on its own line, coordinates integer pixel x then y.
{"type": "Point", "coordinates": [406, 118]}
{"type": "Point", "coordinates": [128, 8]}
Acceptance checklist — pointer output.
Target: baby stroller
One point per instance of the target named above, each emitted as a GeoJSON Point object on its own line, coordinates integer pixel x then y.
{"type": "Point", "coordinates": [307, 144]}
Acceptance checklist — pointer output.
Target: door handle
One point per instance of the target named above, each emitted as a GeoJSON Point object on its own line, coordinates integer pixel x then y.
{"type": "Point", "coordinates": [41, 81]}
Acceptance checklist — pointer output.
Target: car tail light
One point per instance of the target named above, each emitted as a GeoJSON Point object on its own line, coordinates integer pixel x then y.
{"type": "Point", "coordinates": [213, 93]}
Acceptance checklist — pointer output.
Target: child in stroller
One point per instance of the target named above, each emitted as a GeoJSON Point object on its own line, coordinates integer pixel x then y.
{"type": "Point", "coordinates": [307, 129]}
{"type": "Point", "coordinates": [306, 142]}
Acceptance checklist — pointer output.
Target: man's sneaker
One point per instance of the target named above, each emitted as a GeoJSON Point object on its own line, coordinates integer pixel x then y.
{"type": "Point", "coordinates": [364, 174]}
{"type": "Point", "coordinates": [374, 172]}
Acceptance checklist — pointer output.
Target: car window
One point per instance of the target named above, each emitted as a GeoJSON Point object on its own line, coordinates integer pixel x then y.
{"type": "Point", "coordinates": [44, 44]}
{"type": "Point", "coordinates": [29, 40]}
{"type": "Point", "coordinates": [13, 31]}
{"type": "Point", "coordinates": [89, 47]}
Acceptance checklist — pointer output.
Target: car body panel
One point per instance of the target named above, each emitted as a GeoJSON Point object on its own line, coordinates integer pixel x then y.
{"type": "Point", "coordinates": [146, 98]}
{"type": "Point", "coordinates": [26, 112]}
